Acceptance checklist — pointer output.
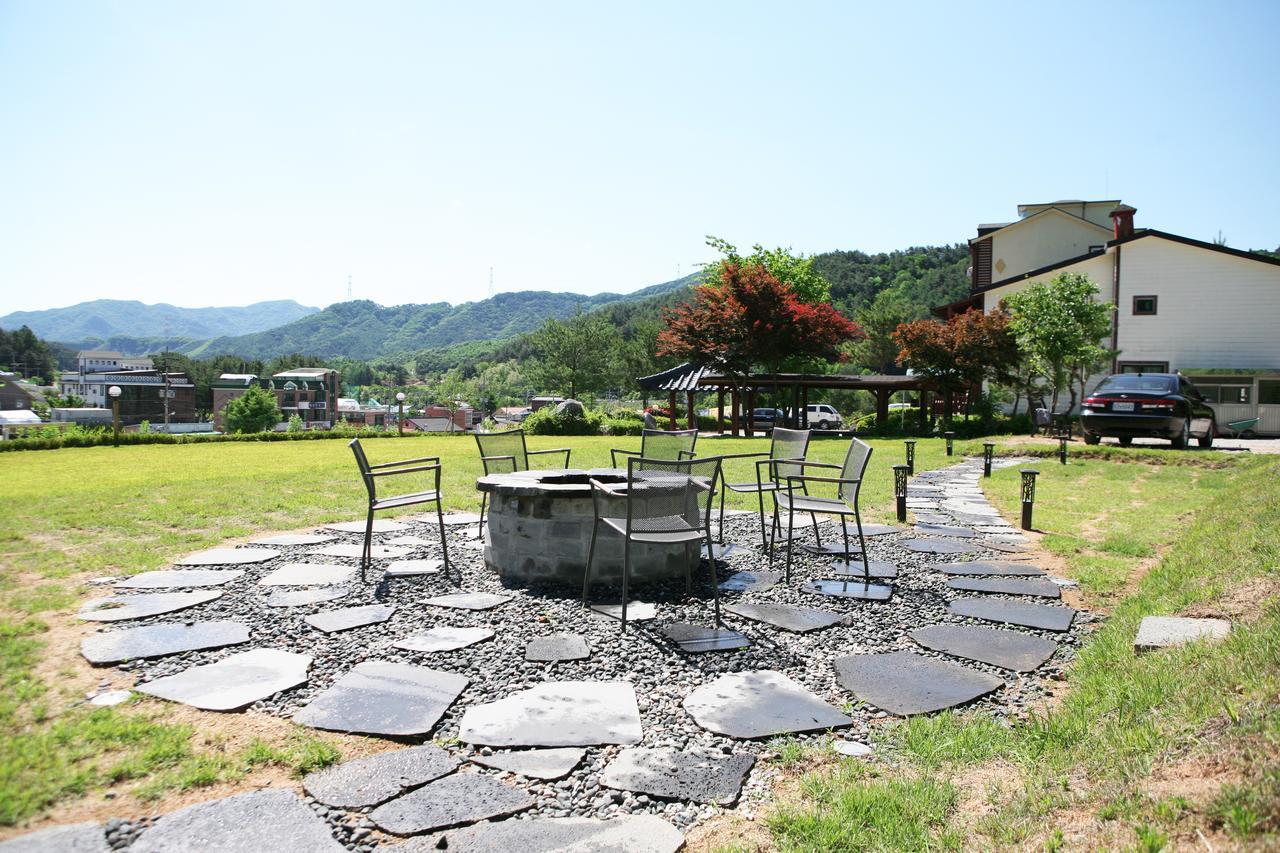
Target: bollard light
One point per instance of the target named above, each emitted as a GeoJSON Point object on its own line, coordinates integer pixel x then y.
{"type": "Point", "coordinates": [911, 455]}
{"type": "Point", "coordinates": [988, 449]}
{"type": "Point", "coordinates": [900, 473]}
{"type": "Point", "coordinates": [400, 404]}
{"type": "Point", "coordinates": [1062, 448]}
{"type": "Point", "coordinates": [1028, 495]}
{"type": "Point", "coordinates": [951, 439]}
{"type": "Point", "coordinates": [114, 393]}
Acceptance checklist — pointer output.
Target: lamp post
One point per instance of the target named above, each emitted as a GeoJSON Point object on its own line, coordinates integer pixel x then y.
{"type": "Point", "coordinates": [400, 418]}
{"type": "Point", "coordinates": [900, 490]}
{"type": "Point", "coordinates": [1028, 495]}
{"type": "Point", "coordinates": [1062, 448]}
{"type": "Point", "coordinates": [951, 440]}
{"type": "Point", "coordinates": [911, 455]}
{"type": "Point", "coordinates": [988, 448]}
{"type": "Point", "coordinates": [114, 393]}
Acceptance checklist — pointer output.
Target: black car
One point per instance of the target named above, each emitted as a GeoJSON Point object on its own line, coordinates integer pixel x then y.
{"type": "Point", "coordinates": [1158, 405]}
{"type": "Point", "coordinates": [768, 417]}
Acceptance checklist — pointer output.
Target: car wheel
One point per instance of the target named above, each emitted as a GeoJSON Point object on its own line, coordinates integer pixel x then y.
{"type": "Point", "coordinates": [1184, 437]}
{"type": "Point", "coordinates": [1090, 438]}
{"type": "Point", "coordinates": [1206, 440]}
{"type": "Point", "coordinates": [823, 425]}
{"type": "Point", "coordinates": [1125, 440]}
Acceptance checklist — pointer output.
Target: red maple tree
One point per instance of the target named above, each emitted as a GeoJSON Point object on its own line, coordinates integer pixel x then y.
{"type": "Point", "coordinates": [961, 352]}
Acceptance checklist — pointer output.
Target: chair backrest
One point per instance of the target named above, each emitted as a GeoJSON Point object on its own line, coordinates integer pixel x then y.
{"type": "Point", "coordinates": [660, 489]}
{"type": "Point", "coordinates": [855, 465]}
{"type": "Point", "coordinates": [509, 444]}
{"type": "Point", "coordinates": [788, 444]}
{"type": "Point", "coordinates": [362, 462]}
{"type": "Point", "coordinates": [667, 444]}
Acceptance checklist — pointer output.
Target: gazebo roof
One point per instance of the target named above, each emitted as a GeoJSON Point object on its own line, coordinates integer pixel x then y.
{"type": "Point", "coordinates": [692, 377]}
{"type": "Point", "coordinates": [682, 377]}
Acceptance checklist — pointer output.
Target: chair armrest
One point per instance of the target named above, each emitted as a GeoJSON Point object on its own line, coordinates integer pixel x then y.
{"type": "Point", "coordinates": [435, 459]}
{"type": "Point", "coordinates": [617, 489]}
{"type": "Point", "coordinates": [412, 470]}
{"type": "Point", "coordinates": [743, 455]}
{"type": "Point", "coordinates": [511, 460]}
{"type": "Point", "coordinates": [613, 454]}
{"type": "Point", "coordinates": [804, 478]}
{"type": "Point", "coordinates": [564, 450]}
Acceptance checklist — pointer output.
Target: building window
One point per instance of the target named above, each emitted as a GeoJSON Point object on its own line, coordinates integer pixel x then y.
{"type": "Point", "coordinates": [1144, 367]}
{"type": "Point", "coordinates": [1144, 306]}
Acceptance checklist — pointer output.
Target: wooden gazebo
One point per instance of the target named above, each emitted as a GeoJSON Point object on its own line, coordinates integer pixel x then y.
{"type": "Point", "coordinates": [692, 379]}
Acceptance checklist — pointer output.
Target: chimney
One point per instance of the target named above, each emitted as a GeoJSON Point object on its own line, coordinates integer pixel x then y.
{"type": "Point", "coordinates": [1122, 216]}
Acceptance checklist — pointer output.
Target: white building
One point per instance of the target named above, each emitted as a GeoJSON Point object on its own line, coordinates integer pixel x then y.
{"type": "Point", "coordinates": [90, 379]}
{"type": "Point", "coordinates": [1183, 305]}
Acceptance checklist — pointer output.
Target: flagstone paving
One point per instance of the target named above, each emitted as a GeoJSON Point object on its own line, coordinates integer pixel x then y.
{"type": "Point", "coordinates": [760, 704]}
{"type": "Point", "coordinates": [458, 799]}
{"type": "Point", "coordinates": [346, 618]}
{"type": "Point", "coordinates": [356, 551]}
{"type": "Point", "coordinates": [946, 530]}
{"type": "Point", "coordinates": [557, 713]}
{"type": "Point", "coordinates": [632, 834]}
{"type": "Point", "coordinates": [179, 578]}
{"type": "Point", "coordinates": [997, 646]}
{"type": "Point", "coordinates": [151, 641]}
{"type": "Point", "coordinates": [301, 597]}
{"type": "Point", "coordinates": [939, 546]}
{"type": "Point", "coordinates": [73, 838]}
{"type": "Point", "coordinates": [991, 567]}
{"type": "Point", "coordinates": [879, 569]}
{"type": "Point", "coordinates": [788, 617]}
{"type": "Point", "coordinates": [905, 683]}
{"type": "Point", "coordinates": [380, 525]}
{"type": "Point", "coordinates": [696, 639]}
{"type": "Point", "coordinates": [233, 682]}
{"type": "Point", "coordinates": [1044, 616]}
{"type": "Point", "coordinates": [309, 574]}
{"type": "Point", "coordinates": [849, 587]}
{"type": "Point", "coordinates": [272, 820]}
{"type": "Point", "coordinates": [412, 568]}
{"type": "Point", "coordinates": [555, 763]}
{"type": "Point", "coordinates": [701, 777]}
{"type": "Point", "coordinates": [759, 581]}
{"type": "Point", "coordinates": [382, 698]}
{"type": "Point", "coordinates": [444, 639]}
{"type": "Point", "coordinates": [469, 600]}
{"type": "Point", "coordinates": [1039, 587]}
{"type": "Point", "coordinates": [378, 778]}
{"type": "Point", "coordinates": [229, 557]}
{"type": "Point", "coordinates": [118, 608]}
{"type": "Point", "coordinates": [557, 647]}
{"type": "Point", "coordinates": [285, 540]}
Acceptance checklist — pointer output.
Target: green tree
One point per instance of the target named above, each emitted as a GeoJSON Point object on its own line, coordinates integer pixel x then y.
{"type": "Point", "coordinates": [573, 356]}
{"type": "Point", "coordinates": [253, 411]}
{"type": "Point", "coordinates": [880, 320]}
{"type": "Point", "coordinates": [796, 271]}
{"type": "Point", "coordinates": [1059, 326]}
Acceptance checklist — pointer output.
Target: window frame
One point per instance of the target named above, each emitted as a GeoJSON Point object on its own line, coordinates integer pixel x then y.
{"type": "Point", "coordinates": [1155, 305]}
{"type": "Point", "coordinates": [1163, 365]}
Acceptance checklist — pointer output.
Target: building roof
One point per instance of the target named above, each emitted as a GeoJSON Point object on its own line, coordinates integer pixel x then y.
{"type": "Point", "coordinates": [682, 377]}
{"type": "Point", "coordinates": [983, 235]}
{"type": "Point", "coordinates": [1024, 207]}
{"type": "Point", "coordinates": [98, 353]}
{"type": "Point", "coordinates": [1199, 244]}
{"type": "Point", "coordinates": [18, 416]}
{"type": "Point", "coordinates": [303, 372]}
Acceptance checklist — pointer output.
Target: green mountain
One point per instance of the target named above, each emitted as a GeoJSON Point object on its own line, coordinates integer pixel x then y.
{"type": "Point", "coordinates": [98, 321]}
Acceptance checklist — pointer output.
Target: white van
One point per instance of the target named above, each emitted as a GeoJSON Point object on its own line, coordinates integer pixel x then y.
{"type": "Point", "coordinates": [822, 416]}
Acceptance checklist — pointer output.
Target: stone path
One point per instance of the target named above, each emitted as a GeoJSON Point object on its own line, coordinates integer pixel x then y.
{"type": "Point", "coordinates": [560, 730]}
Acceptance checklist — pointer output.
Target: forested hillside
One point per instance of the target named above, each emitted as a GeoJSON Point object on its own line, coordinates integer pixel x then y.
{"type": "Point", "coordinates": [101, 319]}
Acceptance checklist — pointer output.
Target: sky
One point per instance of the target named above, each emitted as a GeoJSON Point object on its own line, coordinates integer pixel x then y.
{"type": "Point", "coordinates": [230, 152]}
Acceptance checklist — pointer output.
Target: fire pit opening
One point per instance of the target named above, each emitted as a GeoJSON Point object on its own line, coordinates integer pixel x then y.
{"type": "Point", "coordinates": [581, 478]}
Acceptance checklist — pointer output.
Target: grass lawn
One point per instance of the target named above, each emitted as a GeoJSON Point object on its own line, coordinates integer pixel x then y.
{"type": "Point", "coordinates": [74, 514]}
{"type": "Point", "coordinates": [1172, 748]}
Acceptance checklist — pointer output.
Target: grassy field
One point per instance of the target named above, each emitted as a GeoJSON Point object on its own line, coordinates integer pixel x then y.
{"type": "Point", "coordinates": [70, 515]}
{"type": "Point", "coordinates": [1175, 748]}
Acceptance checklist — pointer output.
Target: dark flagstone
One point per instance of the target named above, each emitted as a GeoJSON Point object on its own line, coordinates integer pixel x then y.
{"type": "Point", "coordinates": [850, 588]}
{"type": "Point", "coordinates": [233, 682]}
{"type": "Point", "coordinates": [991, 567]}
{"type": "Point", "coordinates": [946, 530]}
{"type": "Point", "coordinates": [535, 763]}
{"type": "Point", "coordinates": [469, 600]}
{"type": "Point", "coordinates": [380, 525]}
{"type": "Point", "coordinates": [724, 552]}
{"type": "Point", "coordinates": [905, 683]}
{"type": "Point", "coordinates": [557, 647]}
{"type": "Point", "coordinates": [272, 819]}
{"type": "Point", "coordinates": [759, 704]}
{"type": "Point", "coordinates": [381, 698]}
{"type": "Point", "coordinates": [1046, 617]}
{"type": "Point", "coordinates": [229, 557]}
{"type": "Point", "coordinates": [938, 546]}
{"type": "Point", "coordinates": [331, 621]}
{"type": "Point", "coordinates": [932, 517]}
{"type": "Point", "coordinates": [459, 799]}
{"type": "Point", "coordinates": [996, 646]}
{"type": "Point", "coordinates": [557, 713]}
{"type": "Point", "coordinates": [456, 518]}
{"type": "Point", "coordinates": [443, 639]}
{"type": "Point", "coordinates": [299, 597]}
{"type": "Point", "coordinates": [869, 530]}
{"type": "Point", "coordinates": [695, 639]}
{"type": "Point", "coordinates": [1041, 587]}
{"type": "Point", "coordinates": [356, 551]}
{"type": "Point", "coordinates": [153, 641]}
{"type": "Point", "coordinates": [750, 580]}
{"type": "Point", "coordinates": [833, 549]}
{"type": "Point", "coordinates": [878, 569]}
{"type": "Point", "coordinates": [637, 611]}
{"type": "Point", "coordinates": [308, 574]}
{"type": "Point", "coordinates": [411, 541]}
{"type": "Point", "coordinates": [75, 838]}
{"type": "Point", "coordinates": [702, 777]}
{"type": "Point", "coordinates": [376, 779]}
{"type": "Point", "coordinates": [178, 578]}
{"type": "Point", "coordinates": [787, 616]}
{"type": "Point", "coordinates": [117, 608]}
{"type": "Point", "coordinates": [1005, 547]}
{"type": "Point", "coordinates": [285, 540]}
{"type": "Point", "coordinates": [639, 833]}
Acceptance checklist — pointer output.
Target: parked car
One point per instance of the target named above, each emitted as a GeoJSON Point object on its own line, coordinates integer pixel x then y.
{"type": "Point", "coordinates": [1160, 405]}
{"type": "Point", "coordinates": [822, 416]}
{"type": "Point", "coordinates": [768, 417]}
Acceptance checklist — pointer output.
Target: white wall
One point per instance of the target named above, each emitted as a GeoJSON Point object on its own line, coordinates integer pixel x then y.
{"type": "Point", "coordinates": [1098, 270]}
{"type": "Point", "coordinates": [1047, 239]}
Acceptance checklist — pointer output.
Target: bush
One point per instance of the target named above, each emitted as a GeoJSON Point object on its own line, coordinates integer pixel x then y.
{"type": "Point", "coordinates": [295, 423]}
{"type": "Point", "coordinates": [85, 438]}
{"type": "Point", "coordinates": [253, 411]}
{"type": "Point", "coordinates": [545, 421]}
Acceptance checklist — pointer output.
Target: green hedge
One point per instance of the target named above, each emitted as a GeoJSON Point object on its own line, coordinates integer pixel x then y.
{"type": "Point", "coordinates": [104, 439]}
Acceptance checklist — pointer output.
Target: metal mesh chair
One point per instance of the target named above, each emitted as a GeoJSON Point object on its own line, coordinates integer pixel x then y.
{"type": "Point", "coordinates": [504, 453]}
{"type": "Point", "coordinates": [791, 498]}
{"type": "Point", "coordinates": [785, 444]}
{"type": "Point", "coordinates": [371, 473]}
{"type": "Point", "coordinates": [668, 502]}
{"type": "Point", "coordinates": [661, 444]}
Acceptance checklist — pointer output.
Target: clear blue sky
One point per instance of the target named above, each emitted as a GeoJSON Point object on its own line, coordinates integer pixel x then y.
{"type": "Point", "coordinates": [221, 153]}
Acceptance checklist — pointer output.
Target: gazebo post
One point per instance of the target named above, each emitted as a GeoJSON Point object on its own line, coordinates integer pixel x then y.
{"type": "Point", "coordinates": [802, 414]}
{"type": "Point", "coordinates": [924, 410]}
{"type": "Point", "coordinates": [795, 406]}
{"type": "Point", "coordinates": [693, 416]}
{"type": "Point", "coordinates": [671, 409]}
{"type": "Point", "coordinates": [751, 413]}
{"type": "Point", "coordinates": [720, 408]}
{"type": "Point", "coordinates": [882, 406]}
{"type": "Point", "coordinates": [733, 411]}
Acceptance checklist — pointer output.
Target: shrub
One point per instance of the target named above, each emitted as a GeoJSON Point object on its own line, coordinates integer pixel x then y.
{"type": "Point", "coordinates": [295, 423]}
{"type": "Point", "coordinates": [253, 411]}
{"type": "Point", "coordinates": [546, 421]}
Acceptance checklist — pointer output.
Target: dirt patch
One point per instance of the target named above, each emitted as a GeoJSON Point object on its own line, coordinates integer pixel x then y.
{"type": "Point", "coordinates": [1245, 601]}
{"type": "Point", "coordinates": [730, 831]}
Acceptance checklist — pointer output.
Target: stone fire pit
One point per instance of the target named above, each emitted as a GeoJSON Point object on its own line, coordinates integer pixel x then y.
{"type": "Point", "coordinates": [539, 530]}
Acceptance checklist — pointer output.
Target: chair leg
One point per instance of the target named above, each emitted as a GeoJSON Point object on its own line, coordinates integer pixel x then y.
{"type": "Point", "coordinates": [813, 516]}
{"type": "Point", "coordinates": [791, 538]}
{"type": "Point", "coordinates": [775, 529]}
{"type": "Point", "coordinates": [862, 542]}
{"type": "Point", "coordinates": [366, 556]}
{"type": "Point", "coordinates": [626, 576]}
{"type": "Point", "coordinates": [484, 500]}
{"type": "Point", "coordinates": [764, 541]}
{"type": "Point", "coordinates": [715, 586]}
{"type": "Point", "coordinates": [723, 490]}
{"type": "Point", "coordinates": [444, 545]}
{"type": "Point", "coordinates": [591, 555]}
{"type": "Point", "coordinates": [844, 528]}
{"type": "Point", "coordinates": [689, 560]}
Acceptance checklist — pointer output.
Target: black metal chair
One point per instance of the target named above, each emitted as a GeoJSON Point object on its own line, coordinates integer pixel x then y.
{"type": "Point", "coordinates": [845, 502]}
{"type": "Point", "coordinates": [504, 453]}
{"type": "Point", "coordinates": [790, 444]}
{"type": "Point", "coordinates": [661, 444]}
{"type": "Point", "coordinates": [371, 473]}
{"type": "Point", "coordinates": [668, 502]}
